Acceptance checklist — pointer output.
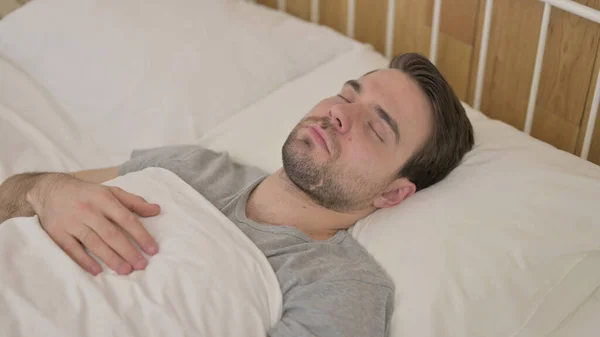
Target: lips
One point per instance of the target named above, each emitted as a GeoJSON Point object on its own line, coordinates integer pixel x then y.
{"type": "Point", "coordinates": [319, 135]}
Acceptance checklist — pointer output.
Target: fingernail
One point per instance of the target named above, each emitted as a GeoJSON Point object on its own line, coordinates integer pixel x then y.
{"type": "Point", "coordinates": [124, 269]}
{"type": "Point", "coordinates": [140, 263]}
{"type": "Point", "coordinates": [95, 270]}
{"type": "Point", "coordinates": [152, 249]}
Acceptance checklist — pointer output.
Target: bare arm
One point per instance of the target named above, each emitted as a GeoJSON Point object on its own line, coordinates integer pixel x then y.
{"type": "Point", "coordinates": [97, 175]}
{"type": "Point", "coordinates": [14, 191]}
{"type": "Point", "coordinates": [13, 195]}
{"type": "Point", "coordinates": [77, 212]}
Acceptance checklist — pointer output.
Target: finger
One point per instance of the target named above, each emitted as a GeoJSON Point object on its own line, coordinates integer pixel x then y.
{"type": "Point", "coordinates": [122, 216]}
{"type": "Point", "coordinates": [135, 203]}
{"type": "Point", "coordinates": [94, 244]}
{"type": "Point", "coordinates": [76, 252]}
{"type": "Point", "coordinates": [112, 243]}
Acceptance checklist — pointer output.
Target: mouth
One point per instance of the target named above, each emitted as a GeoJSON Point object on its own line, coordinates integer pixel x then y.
{"type": "Point", "coordinates": [319, 136]}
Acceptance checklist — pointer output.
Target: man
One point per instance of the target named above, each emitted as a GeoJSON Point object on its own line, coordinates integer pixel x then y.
{"type": "Point", "coordinates": [381, 139]}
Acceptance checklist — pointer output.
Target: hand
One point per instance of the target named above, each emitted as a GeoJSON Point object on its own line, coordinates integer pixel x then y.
{"type": "Point", "coordinates": [79, 214]}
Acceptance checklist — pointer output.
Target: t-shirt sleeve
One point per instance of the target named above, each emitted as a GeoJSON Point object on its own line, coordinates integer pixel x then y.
{"type": "Point", "coordinates": [345, 308]}
{"type": "Point", "coordinates": [212, 174]}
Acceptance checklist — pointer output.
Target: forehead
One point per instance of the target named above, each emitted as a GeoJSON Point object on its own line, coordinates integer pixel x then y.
{"type": "Point", "coordinates": [395, 88]}
{"type": "Point", "coordinates": [403, 99]}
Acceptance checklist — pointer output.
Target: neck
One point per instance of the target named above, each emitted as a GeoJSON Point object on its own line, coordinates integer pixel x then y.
{"type": "Point", "coordinates": [278, 201]}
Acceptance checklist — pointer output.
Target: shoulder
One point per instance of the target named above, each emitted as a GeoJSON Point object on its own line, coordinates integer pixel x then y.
{"type": "Point", "coordinates": [214, 174]}
{"type": "Point", "coordinates": [365, 289]}
{"type": "Point", "coordinates": [351, 297]}
{"type": "Point", "coordinates": [174, 153]}
{"type": "Point", "coordinates": [362, 267]}
{"type": "Point", "coordinates": [166, 157]}
{"type": "Point", "coordinates": [334, 288]}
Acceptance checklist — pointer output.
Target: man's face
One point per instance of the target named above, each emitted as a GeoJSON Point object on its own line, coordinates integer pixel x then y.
{"type": "Point", "coordinates": [347, 152]}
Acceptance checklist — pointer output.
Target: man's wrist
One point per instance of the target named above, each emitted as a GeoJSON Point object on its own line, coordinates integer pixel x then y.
{"type": "Point", "coordinates": [18, 195]}
{"type": "Point", "coordinates": [40, 185]}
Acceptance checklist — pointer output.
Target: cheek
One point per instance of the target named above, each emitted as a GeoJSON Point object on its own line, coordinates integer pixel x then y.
{"type": "Point", "coordinates": [359, 145]}
{"type": "Point", "coordinates": [366, 158]}
{"type": "Point", "coordinates": [360, 154]}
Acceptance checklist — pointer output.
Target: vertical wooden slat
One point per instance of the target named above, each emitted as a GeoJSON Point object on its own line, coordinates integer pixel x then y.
{"type": "Point", "coordinates": [412, 19]}
{"type": "Point", "coordinates": [457, 38]}
{"type": "Point", "coordinates": [594, 154]}
{"type": "Point", "coordinates": [454, 62]}
{"type": "Point", "coordinates": [333, 14]}
{"type": "Point", "coordinates": [299, 8]}
{"type": "Point", "coordinates": [371, 22]}
{"type": "Point", "coordinates": [268, 3]}
{"type": "Point", "coordinates": [459, 18]}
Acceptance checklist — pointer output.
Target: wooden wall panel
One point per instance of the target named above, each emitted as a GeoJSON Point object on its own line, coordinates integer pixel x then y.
{"type": "Point", "coordinates": [566, 72]}
{"type": "Point", "coordinates": [299, 8]}
{"type": "Point", "coordinates": [510, 59]}
{"type": "Point", "coordinates": [412, 30]}
{"type": "Point", "coordinates": [268, 3]}
{"type": "Point", "coordinates": [594, 154]}
{"type": "Point", "coordinates": [370, 20]}
{"type": "Point", "coordinates": [459, 18]}
{"type": "Point", "coordinates": [334, 13]}
{"type": "Point", "coordinates": [457, 32]}
{"type": "Point", "coordinates": [7, 6]}
{"type": "Point", "coordinates": [566, 76]}
{"type": "Point", "coordinates": [457, 39]}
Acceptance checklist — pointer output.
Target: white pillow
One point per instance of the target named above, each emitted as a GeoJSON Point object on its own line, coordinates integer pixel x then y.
{"type": "Point", "coordinates": [255, 135]}
{"type": "Point", "coordinates": [507, 245]}
{"type": "Point", "coordinates": [150, 73]}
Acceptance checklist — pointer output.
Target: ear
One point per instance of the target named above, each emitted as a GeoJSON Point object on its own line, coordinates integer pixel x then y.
{"type": "Point", "coordinates": [397, 191]}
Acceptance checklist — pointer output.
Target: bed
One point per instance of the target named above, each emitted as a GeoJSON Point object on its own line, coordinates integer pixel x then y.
{"type": "Point", "coordinates": [507, 245]}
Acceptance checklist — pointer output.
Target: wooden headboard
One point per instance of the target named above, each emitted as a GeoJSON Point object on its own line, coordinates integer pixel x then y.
{"type": "Point", "coordinates": [570, 64]}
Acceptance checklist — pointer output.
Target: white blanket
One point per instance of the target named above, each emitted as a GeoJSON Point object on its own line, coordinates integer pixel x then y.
{"type": "Point", "coordinates": [208, 279]}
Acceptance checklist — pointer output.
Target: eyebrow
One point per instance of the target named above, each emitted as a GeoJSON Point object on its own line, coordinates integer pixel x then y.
{"type": "Point", "coordinates": [357, 87]}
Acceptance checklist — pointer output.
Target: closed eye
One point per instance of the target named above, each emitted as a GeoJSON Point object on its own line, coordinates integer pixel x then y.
{"type": "Point", "coordinates": [344, 98]}
{"type": "Point", "coordinates": [375, 132]}
{"type": "Point", "coordinates": [370, 125]}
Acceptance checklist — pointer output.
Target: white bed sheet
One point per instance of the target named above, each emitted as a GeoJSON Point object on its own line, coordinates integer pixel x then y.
{"type": "Point", "coordinates": [35, 133]}
{"type": "Point", "coordinates": [583, 322]}
{"type": "Point", "coordinates": [209, 279]}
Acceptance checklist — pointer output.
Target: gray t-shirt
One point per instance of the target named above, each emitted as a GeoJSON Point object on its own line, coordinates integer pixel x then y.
{"type": "Point", "coordinates": [330, 288]}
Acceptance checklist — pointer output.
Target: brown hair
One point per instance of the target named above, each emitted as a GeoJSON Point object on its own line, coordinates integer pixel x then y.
{"type": "Point", "coordinates": [452, 134]}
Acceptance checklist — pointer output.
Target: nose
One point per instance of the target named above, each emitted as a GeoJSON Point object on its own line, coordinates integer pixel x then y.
{"type": "Point", "coordinates": [342, 116]}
